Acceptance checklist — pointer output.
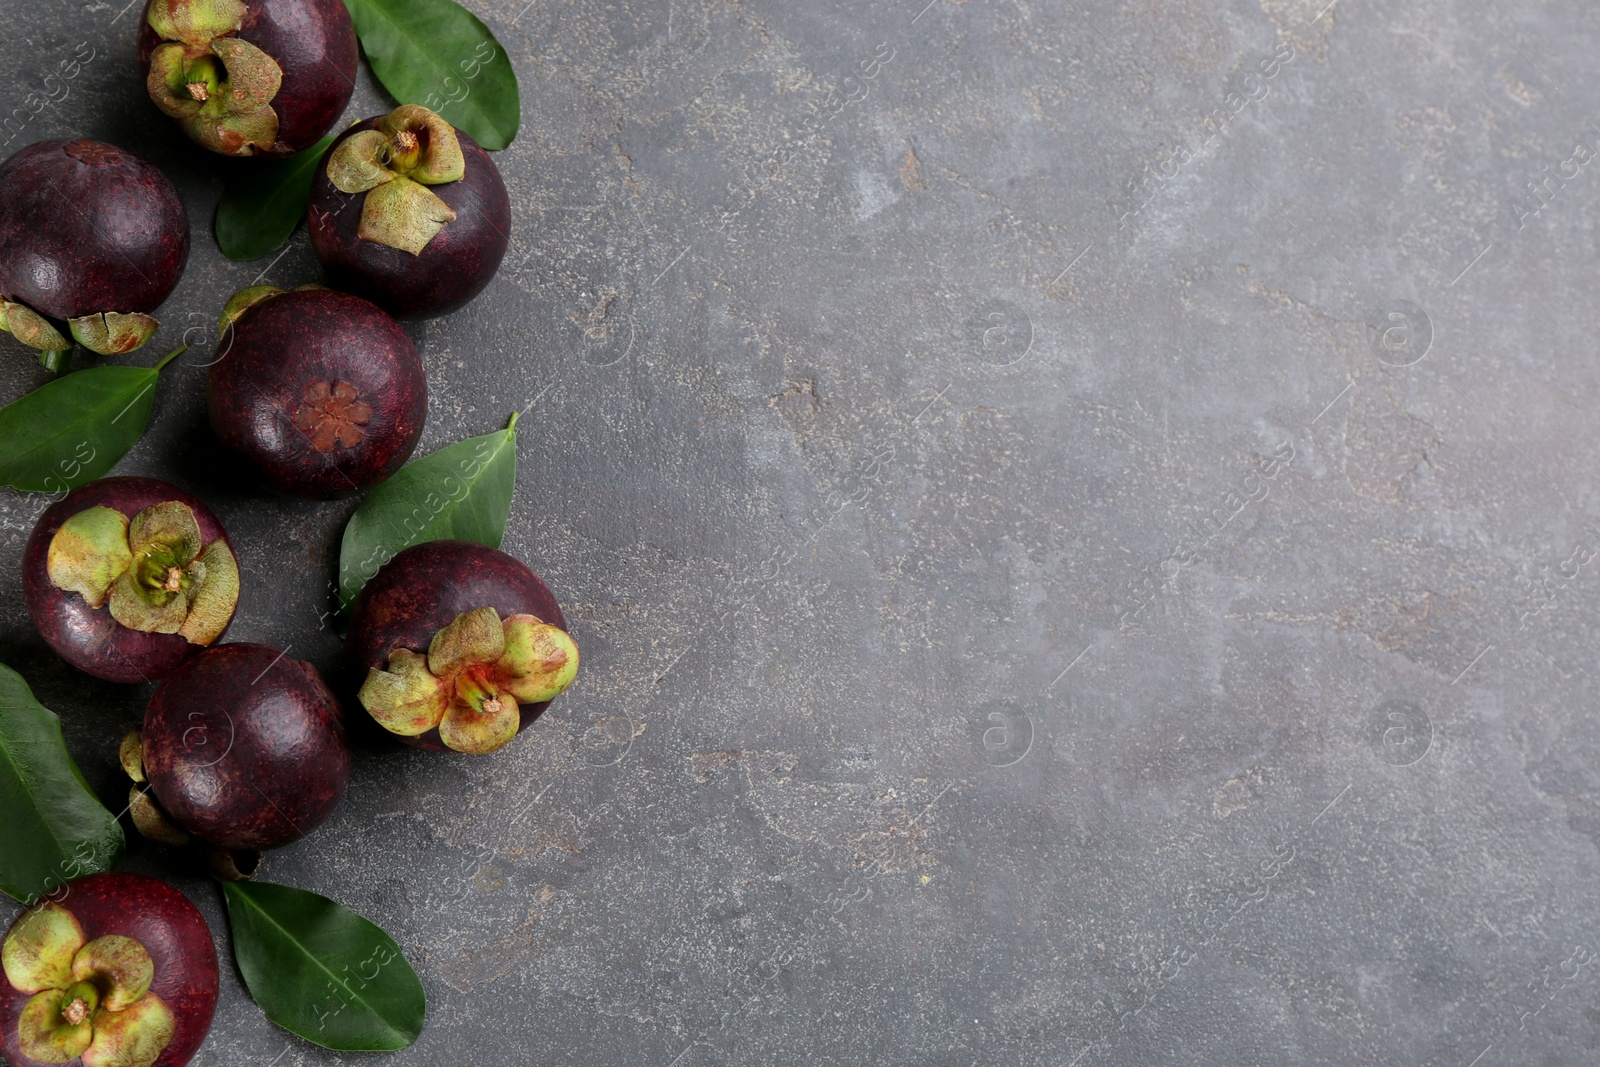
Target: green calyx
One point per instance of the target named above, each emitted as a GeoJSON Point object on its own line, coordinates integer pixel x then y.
{"type": "Point", "coordinates": [243, 301]}
{"type": "Point", "coordinates": [106, 333]}
{"type": "Point", "coordinates": [411, 149]}
{"type": "Point", "coordinates": [149, 817]}
{"type": "Point", "coordinates": [91, 999]}
{"type": "Point", "coordinates": [152, 820]}
{"type": "Point", "coordinates": [218, 86]}
{"type": "Point", "coordinates": [153, 572]}
{"type": "Point", "coordinates": [31, 328]}
{"type": "Point", "coordinates": [470, 685]}
{"type": "Point", "coordinates": [111, 333]}
{"type": "Point", "coordinates": [249, 297]}
{"type": "Point", "coordinates": [131, 755]}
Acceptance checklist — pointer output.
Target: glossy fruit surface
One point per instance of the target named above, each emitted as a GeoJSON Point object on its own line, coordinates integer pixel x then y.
{"type": "Point", "coordinates": [249, 77]}
{"type": "Point", "coordinates": [88, 635]}
{"type": "Point", "coordinates": [148, 961]}
{"type": "Point", "coordinates": [244, 747]}
{"type": "Point", "coordinates": [88, 229]}
{"type": "Point", "coordinates": [321, 391]}
{"type": "Point", "coordinates": [457, 261]}
{"type": "Point", "coordinates": [424, 590]}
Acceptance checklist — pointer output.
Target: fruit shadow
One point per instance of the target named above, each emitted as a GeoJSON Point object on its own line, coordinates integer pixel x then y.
{"type": "Point", "coordinates": [127, 119]}
{"type": "Point", "coordinates": [201, 461]}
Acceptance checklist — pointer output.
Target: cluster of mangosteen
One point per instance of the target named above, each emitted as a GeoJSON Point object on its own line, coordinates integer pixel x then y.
{"type": "Point", "coordinates": [242, 747]}
{"type": "Point", "coordinates": [406, 211]}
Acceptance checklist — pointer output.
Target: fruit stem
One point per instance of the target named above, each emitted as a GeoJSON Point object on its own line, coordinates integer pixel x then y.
{"type": "Point", "coordinates": [75, 1012]}
{"type": "Point", "coordinates": [55, 360]}
{"type": "Point", "coordinates": [405, 151]}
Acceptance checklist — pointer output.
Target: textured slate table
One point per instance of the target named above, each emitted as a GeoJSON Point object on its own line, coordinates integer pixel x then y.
{"type": "Point", "coordinates": [1079, 516]}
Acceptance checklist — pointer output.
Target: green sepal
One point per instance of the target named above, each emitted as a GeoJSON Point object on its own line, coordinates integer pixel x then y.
{"type": "Point", "coordinates": [243, 301]}
{"type": "Point", "coordinates": [88, 553]}
{"type": "Point", "coordinates": [31, 328]}
{"type": "Point", "coordinates": [111, 333]}
{"type": "Point", "coordinates": [39, 950]}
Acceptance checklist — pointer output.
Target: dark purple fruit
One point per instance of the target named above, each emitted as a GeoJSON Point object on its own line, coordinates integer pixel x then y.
{"type": "Point", "coordinates": [116, 969]}
{"type": "Point", "coordinates": [92, 238]}
{"type": "Point", "coordinates": [128, 577]}
{"type": "Point", "coordinates": [321, 391]}
{"type": "Point", "coordinates": [249, 77]}
{"type": "Point", "coordinates": [410, 213]}
{"type": "Point", "coordinates": [463, 645]}
{"type": "Point", "coordinates": [243, 747]}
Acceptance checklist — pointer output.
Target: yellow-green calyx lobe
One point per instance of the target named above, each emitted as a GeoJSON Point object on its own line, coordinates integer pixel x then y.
{"type": "Point", "coordinates": [106, 333]}
{"type": "Point", "coordinates": [153, 571]}
{"type": "Point", "coordinates": [470, 686]}
{"type": "Point", "coordinates": [411, 149]}
{"type": "Point", "coordinates": [249, 297]}
{"type": "Point", "coordinates": [110, 333]}
{"type": "Point", "coordinates": [91, 999]}
{"type": "Point", "coordinates": [31, 328]}
{"type": "Point", "coordinates": [219, 87]}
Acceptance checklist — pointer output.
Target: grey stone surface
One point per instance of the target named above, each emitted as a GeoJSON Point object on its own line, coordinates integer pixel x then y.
{"type": "Point", "coordinates": [1061, 583]}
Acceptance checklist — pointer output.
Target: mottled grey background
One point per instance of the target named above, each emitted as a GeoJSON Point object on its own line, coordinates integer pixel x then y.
{"type": "Point", "coordinates": [1058, 584]}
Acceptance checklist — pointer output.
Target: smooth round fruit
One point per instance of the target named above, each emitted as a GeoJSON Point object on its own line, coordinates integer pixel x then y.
{"type": "Point", "coordinates": [427, 590]}
{"type": "Point", "coordinates": [90, 236]}
{"type": "Point", "coordinates": [249, 77]}
{"type": "Point", "coordinates": [87, 634]}
{"type": "Point", "coordinates": [322, 392]}
{"type": "Point", "coordinates": [407, 279]}
{"type": "Point", "coordinates": [120, 930]}
{"type": "Point", "coordinates": [244, 747]}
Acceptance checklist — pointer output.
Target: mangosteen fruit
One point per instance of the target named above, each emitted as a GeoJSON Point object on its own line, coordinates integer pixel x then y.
{"type": "Point", "coordinates": [115, 970]}
{"type": "Point", "coordinates": [463, 646]}
{"type": "Point", "coordinates": [128, 577]}
{"type": "Point", "coordinates": [409, 212]}
{"type": "Point", "coordinates": [249, 77]}
{"type": "Point", "coordinates": [92, 239]}
{"type": "Point", "coordinates": [322, 392]}
{"type": "Point", "coordinates": [242, 748]}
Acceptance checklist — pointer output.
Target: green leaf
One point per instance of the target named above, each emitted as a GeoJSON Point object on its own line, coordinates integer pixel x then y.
{"type": "Point", "coordinates": [321, 971]}
{"type": "Point", "coordinates": [438, 54]}
{"type": "Point", "coordinates": [73, 430]}
{"type": "Point", "coordinates": [55, 828]}
{"type": "Point", "coordinates": [460, 493]}
{"type": "Point", "coordinates": [261, 206]}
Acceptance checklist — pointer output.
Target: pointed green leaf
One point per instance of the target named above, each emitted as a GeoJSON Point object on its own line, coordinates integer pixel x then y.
{"type": "Point", "coordinates": [260, 207]}
{"type": "Point", "coordinates": [321, 971]}
{"type": "Point", "coordinates": [438, 54]}
{"type": "Point", "coordinates": [460, 493]}
{"type": "Point", "coordinates": [70, 431]}
{"type": "Point", "coordinates": [55, 828]}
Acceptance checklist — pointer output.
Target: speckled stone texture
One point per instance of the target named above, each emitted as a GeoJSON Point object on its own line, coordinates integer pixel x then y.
{"type": "Point", "coordinates": [1080, 520]}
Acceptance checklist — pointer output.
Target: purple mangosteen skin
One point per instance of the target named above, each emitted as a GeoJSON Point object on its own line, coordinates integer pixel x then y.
{"type": "Point", "coordinates": [86, 227]}
{"type": "Point", "coordinates": [273, 353]}
{"type": "Point", "coordinates": [314, 43]}
{"type": "Point", "coordinates": [454, 267]}
{"type": "Point", "coordinates": [169, 927]}
{"type": "Point", "coordinates": [89, 638]}
{"type": "Point", "coordinates": [245, 747]}
{"type": "Point", "coordinates": [421, 591]}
